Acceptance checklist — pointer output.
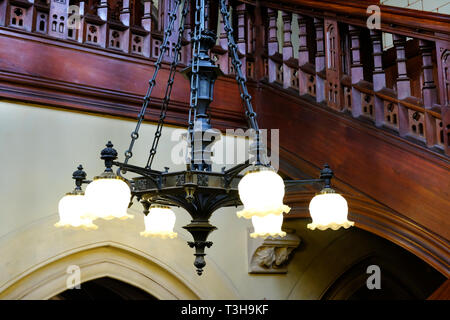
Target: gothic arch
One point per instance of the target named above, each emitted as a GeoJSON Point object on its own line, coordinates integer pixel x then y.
{"type": "Point", "coordinates": [35, 259]}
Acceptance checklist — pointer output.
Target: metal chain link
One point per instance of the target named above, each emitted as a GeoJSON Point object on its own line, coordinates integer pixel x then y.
{"type": "Point", "coordinates": [240, 78]}
{"type": "Point", "coordinates": [199, 27]}
{"type": "Point", "coordinates": [166, 100]}
{"type": "Point", "coordinates": [152, 82]}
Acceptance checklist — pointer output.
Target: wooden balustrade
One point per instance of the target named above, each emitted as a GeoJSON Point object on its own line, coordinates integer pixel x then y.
{"type": "Point", "coordinates": [403, 86]}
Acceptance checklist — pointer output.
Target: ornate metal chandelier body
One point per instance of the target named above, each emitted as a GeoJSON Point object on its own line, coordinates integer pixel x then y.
{"type": "Point", "coordinates": [198, 189]}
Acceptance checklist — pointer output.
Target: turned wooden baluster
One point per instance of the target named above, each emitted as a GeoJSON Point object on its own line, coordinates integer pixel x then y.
{"type": "Point", "coordinates": [187, 49]}
{"type": "Point", "coordinates": [288, 50]}
{"type": "Point", "coordinates": [207, 14]}
{"type": "Point", "coordinates": [147, 24]}
{"type": "Point", "coordinates": [303, 54]}
{"type": "Point", "coordinates": [356, 70]}
{"type": "Point", "coordinates": [147, 18]}
{"type": "Point", "coordinates": [403, 83]}
{"type": "Point", "coordinates": [320, 61]}
{"type": "Point", "coordinates": [3, 6]}
{"type": "Point", "coordinates": [125, 13]}
{"type": "Point", "coordinates": [379, 76]}
{"type": "Point", "coordinates": [429, 91]}
{"type": "Point", "coordinates": [102, 10]}
{"type": "Point", "coordinates": [241, 17]}
{"type": "Point", "coordinates": [251, 30]}
{"type": "Point", "coordinates": [272, 45]}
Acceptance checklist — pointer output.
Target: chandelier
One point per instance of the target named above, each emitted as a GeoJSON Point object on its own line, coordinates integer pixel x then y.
{"type": "Point", "coordinates": [198, 189]}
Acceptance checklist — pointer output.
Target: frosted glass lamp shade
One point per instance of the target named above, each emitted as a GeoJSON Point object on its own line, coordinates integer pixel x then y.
{"type": "Point", "coordinates": [261, 192]}
{"type": "Point", "coordinates": [159, 223]}
{"type": "Point", "coordinates": [72, 208]}
{"type": "Point", "coordinates": [269, 225]}
{"type": "Point", "coordinates": [108, 197]}
{"type": "Point", "coordinates": [329, 209]}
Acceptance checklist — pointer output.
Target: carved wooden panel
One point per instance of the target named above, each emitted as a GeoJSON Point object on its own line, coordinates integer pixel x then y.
{"type": "Point", "coordinates": [368, 105]}
{"type": "Point", "coordinates": [391, 114]}
{"type": "Point", "coordinates": [137, 43]}
{"type": "Point", "coordinates": [416, 123]}
{"type": "Point", "coordinates": [311, 85]}
{"type": "Point", "coordinates": [17, 16]}
{"type": "Point", "coordinates": [347, 98]}
{"type": "Point", "coordinates": [41, 22]}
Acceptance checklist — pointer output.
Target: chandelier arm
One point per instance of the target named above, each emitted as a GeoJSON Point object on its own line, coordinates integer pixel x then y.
{"type": "Point", "coordinates": [326, 174]}
{"type": "Point", "coordinates": [232, 173]}
{"type": "Point", "coordinates": [238, 168]}
{"type": "Point", "coordinates": [153, 175]}
{"type": "Point", "coordinates": [289, 183]}
{"type": "Point", "coordinates": [152, 82]}
{"type": "Point", "coordinates": [172, 72]}
{"type": "Point", "coordinates": [242, 81]}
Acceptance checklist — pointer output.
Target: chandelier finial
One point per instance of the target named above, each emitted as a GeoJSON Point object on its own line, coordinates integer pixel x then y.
{"type": "Point", "coordinates": [79, 176]}
{"type": "Point", "coordinates": [326, 174]}
{"type": "Point", "coordinates": [109, 154]}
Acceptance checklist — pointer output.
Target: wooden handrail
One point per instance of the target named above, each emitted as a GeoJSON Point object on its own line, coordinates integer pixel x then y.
{"type": "Point", "coordinates": [420, 24]}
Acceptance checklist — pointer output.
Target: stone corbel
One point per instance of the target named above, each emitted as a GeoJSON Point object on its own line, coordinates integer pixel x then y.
{"type": "Point", "coordinates": [271, 255]}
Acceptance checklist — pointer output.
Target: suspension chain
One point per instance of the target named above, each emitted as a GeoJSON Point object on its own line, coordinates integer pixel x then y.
{"type": "Point", "coordinates": [173, 69]}
{"type": "Point", "coordinates": [199, 27]}
{"type": "Point", "coordinates": [152, 82]}
{"type": "Point", "coordinates": [240, 78]}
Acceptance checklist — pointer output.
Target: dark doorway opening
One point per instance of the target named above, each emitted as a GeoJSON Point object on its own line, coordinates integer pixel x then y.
{"type": "Point", "coordinates": [104, 289]}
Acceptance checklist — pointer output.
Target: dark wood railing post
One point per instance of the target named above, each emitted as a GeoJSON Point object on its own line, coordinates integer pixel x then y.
{"type": "Point", "coordinates": [288, 50]}
{"type": "Point", "coordinates": [356, 70]}
{"type": "Point", "coordinates": [379, 76]}
{"type": "Point", "coordinates": [259, 42]}
{"type": "Point", "coordinates": [240, 40]}
{"type": "Point", "coordinates": [320, 61]}
{"type": "Point", "coordinates": [333, 65]}
{"type": "Point", "coordinates": [303, 54]}
{"type": "Point", "coordinates": [429, 91]}
{"type": "Point", "coordinates": [403, 83]}
{"type": "Point", "coordinates": [273, 43]}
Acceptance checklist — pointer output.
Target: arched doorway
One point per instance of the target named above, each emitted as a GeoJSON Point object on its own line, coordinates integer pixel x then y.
{"type": "Point", "coordinates": [104, 288]}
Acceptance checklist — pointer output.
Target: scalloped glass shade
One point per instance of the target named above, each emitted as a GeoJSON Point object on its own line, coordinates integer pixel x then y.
{"type": "Point", "coordinates": [159, 223]}
{"type": "Point", "coordinates": [262, 194]}
{"type": "Point", "coordinates": [72, 208]}
{"type": "Point", "coordinates": [266, 226]}
{"type": "Point", "coordinates": [329, 210]}
{"type": "Point", "coordinates": [108, 198]}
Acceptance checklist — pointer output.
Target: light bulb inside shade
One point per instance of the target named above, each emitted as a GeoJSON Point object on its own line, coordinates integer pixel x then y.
{"type": "Point", "coordinates": [159, 223]}
{"type": "Point", "coordinates": [72, 208]}
{"type": "Point", "coordinates": [262, 192]}
{"type": "Point", "coordinates": [108, 197]}
{"type": "Point", "coordinates": [329, 210]}
{"type": "Point", "coordinates": [266, 226]}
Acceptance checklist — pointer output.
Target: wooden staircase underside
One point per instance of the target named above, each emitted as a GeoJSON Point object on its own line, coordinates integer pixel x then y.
{"type": "Point", "coordinates": [396, 188]}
